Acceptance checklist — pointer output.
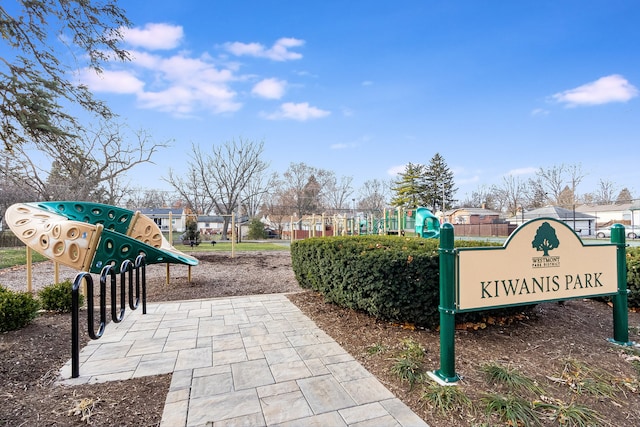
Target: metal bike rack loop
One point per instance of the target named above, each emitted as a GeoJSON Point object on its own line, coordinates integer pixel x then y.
{"type": "Point", "coordinates": [128, 270]}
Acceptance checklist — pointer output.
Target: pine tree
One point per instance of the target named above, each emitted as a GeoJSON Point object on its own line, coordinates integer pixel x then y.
{"type": "Point", "coordinates": [408, 187]}
{"type": "Point", "coordinates": [437, 185]}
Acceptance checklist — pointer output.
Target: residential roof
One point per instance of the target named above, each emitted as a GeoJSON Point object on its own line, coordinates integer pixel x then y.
{"type": "Point", "coordinates": [555, 212]}
{"type": "Point", "coordinates": [606, 208]}
{"type": "Point", "coordinates": [474, 211]}
{"type": "Point", "coordinates": [160, 211]}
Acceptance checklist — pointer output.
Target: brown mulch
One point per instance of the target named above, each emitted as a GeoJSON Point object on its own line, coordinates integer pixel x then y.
{"type": "Point", "coordinates": [542, 345]}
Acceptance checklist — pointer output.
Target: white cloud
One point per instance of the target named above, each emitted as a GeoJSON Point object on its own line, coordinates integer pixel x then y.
{"type": "Point", "coordinates": [278, 52]}
{"type": "Point", "coordinates": [521, 171]}
{"type": "Point", "coordinates": [185, 84]}
{"type": "Point", "coordinates": [301, 111]}
{"type": "Point", "coordinates": [613, 88]}
{"type": "Point", "coordinates": [537, 112]}
{"type": "Point", "coordinates": [396, 170]}
{"type": "Point", "coordinates": [111, 81]}
{"type": "Point", "coordinates": [367, 83]}
{"type": "Point", "coordinates": [269, 88]}
{"type": "Point", "coordinates": [339, 146]}
{"type": "Point", "coordinates": [176, 84]}
{"type": "Point", "coordinates": [154, 36]}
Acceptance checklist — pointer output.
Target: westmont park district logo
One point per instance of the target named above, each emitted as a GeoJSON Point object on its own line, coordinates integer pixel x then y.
{"type": "Point", "coordinates": [509, 275]}
{"type": "Point", "coordinates": [545, 240]}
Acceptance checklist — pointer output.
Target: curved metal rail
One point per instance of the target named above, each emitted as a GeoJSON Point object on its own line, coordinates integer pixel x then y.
{"type": "Point", "coordinates": [128, 270]}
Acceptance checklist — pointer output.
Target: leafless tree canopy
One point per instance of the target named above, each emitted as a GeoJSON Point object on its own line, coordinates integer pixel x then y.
{"type": "Point", "coordinates": [223, 180]}
{"type": "Point", "coordinates": [92, 167]}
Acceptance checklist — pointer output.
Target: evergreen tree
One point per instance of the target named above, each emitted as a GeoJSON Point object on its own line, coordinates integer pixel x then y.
{"type": "Point", "coordinates": [408, 187]}
{"type": "Point", "coordinates": [624, 197]}
{"type": "Point", "coordinates": [437, 186]}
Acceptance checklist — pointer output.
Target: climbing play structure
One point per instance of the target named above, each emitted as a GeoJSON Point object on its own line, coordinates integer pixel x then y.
{"type": "Point", "coordinates": [89, 236]}
{"type": "Point", "coordinates": [427, 224]}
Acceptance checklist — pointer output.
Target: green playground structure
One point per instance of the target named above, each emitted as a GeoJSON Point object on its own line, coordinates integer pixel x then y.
{"type": "Point", "coordinates": [88, 236]}
{"type": "Point", "coordinates": [427, 224]}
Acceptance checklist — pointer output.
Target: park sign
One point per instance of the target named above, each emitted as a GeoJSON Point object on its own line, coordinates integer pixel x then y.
{"type": "Point", "coordinates": [543, 260]}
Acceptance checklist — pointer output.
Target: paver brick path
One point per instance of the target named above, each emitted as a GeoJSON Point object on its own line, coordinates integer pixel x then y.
{"type": "Point", "coordinates": [241, 361]}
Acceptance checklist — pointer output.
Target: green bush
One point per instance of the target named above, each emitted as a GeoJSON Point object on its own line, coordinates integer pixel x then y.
{"type": "Point", "coordinates": [58, 297]}
{"type": "Point", "coordinates": [633, 276]}
{"type": "Point", "coordinates": [389, 277]}
{"type": "Point", "coordinates": [17, 309]}
{"type": "Point", "coordinates": [256, 230]}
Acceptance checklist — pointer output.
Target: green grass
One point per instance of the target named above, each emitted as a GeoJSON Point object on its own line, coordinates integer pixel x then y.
{"type": "Point", "coordinates": [583, 379]}
{"type": "Point", "coordinates": [445, 399]}
{"type": "Point", "coordinates": [408, 365]}
{"type": "Point", "coordinates": [10, 257]}
{"type": "Point", "coordinates": [573, 415]}
{"type": "Point", "coordinates": [510, 377]}
{"type": "Point", "coordinates": [513, 410]}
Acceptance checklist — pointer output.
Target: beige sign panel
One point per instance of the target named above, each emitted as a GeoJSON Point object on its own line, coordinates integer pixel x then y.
{"type": "Point", "coordinates": [542, 260]}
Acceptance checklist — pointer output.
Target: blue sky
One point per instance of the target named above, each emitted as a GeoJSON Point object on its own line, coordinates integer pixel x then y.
{"type": "Point", "coordinates": [363, 87]}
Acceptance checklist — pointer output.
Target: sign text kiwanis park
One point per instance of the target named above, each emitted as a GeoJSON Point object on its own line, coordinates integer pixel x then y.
{"type": "Point", "coordinates": [542, 260]}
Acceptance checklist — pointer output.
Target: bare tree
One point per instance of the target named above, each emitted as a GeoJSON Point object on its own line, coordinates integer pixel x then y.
{"type": "Point", "coordinates": [483, 196]}
{"type": "Point", "coordinates": [605, 192]}
{"type": "Point", "coordinates": [256, 192]}
{"type": "Point", "coordinates": [305, 186]}
{"type": "Point", "coordinates": [92, 167]}
{"type": "Point", "coordinates": [374, 195]}
{"type": "Point", "coordinates": [554, 180]}
{"type": "Point", "coordinates": [337, 192]}
{"type": "Point", "coordinates": [147, 198]}
{"type": "Point", "coordinates": [510, 194]}
{"type": "Point", "coordinates": [222, 179]}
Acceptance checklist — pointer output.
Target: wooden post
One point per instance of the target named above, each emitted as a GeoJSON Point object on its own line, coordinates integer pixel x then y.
{"type": "Point", "coordinates": [29, 270]}
{"type": "Point", "coordinates": [233, 235]}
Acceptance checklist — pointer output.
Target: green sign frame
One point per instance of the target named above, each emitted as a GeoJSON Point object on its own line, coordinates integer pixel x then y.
{"type": "Point", "coordinates": [539, 235]}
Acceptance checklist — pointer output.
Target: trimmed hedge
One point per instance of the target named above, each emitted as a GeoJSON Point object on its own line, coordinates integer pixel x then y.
{"type": "Point", "coordinates": [633, 276]}
{"type": "Point", "coordinates": [389, 277]}
{"type": "Point", "coordinates": [396, 278]}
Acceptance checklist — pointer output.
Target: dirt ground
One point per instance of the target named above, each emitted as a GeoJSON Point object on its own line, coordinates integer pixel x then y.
{"type": "Point", "coordinates": [563, 348]}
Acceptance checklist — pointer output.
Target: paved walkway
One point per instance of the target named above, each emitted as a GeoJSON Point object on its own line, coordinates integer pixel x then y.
{"type": "Point", "coordinates": [241, 361]}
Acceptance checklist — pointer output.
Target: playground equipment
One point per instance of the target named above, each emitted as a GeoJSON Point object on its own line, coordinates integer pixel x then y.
{"type": "Point", "coordinates": [89, 236]}
{"type": "Point", "coordinates": [427, 224]}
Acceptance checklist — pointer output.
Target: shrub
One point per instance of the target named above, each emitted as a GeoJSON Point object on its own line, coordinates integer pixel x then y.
{"type": "Point", "coordinates": [389, 277]}
{"type": "Point", "coordinates": [58, 297]}
{"type": "Point", "coordinates": [633, 276]}
{"type": "Point", "coordinates": [17, 309]}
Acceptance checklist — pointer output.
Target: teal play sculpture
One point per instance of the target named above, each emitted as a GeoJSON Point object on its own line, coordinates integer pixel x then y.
{"type": "Point", "coordinates": [88, 236]}
{"type": "Point", "coordinates": [427, 224]}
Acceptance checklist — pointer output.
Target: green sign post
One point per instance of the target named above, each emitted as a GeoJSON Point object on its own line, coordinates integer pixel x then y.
{"type": "Point", "coordinates": [542, 260]}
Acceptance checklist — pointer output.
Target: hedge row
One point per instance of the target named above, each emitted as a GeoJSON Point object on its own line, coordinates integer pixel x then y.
{"type": "Point", "coordinates": [633, 276]}
{"type": "Point", "coordinates": [395, 278]}
{"type": "Point", "coordinates": [389, 277]}
{"type": "Point", "coordinates": [18, 309]}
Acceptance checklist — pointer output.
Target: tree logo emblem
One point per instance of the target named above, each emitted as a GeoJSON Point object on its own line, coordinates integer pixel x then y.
{"type": "Point", "coordinates": [545, 241]}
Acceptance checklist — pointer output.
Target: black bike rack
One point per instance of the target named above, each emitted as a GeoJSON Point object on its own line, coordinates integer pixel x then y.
{"type": "Point", "coordinates": [127, 270]}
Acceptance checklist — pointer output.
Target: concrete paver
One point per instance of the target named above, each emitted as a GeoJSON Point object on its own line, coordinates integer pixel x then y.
{"type": "Point", "coordinates": [241, 361]}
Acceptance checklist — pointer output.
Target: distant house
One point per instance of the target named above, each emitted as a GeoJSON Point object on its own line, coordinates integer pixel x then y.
{"type": "Point", "coordinates": [167, 218]}
{"type": "Point", "coordinates": [472, 216]}
{"type": "Point", "coordinates": [213, 224]}
{"type": "Point", "coordinates": [477, 222]}
{"type": "Point", "coordinates": [625, 213]}
{"type": "Point", "coordinates": [582, 223]}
